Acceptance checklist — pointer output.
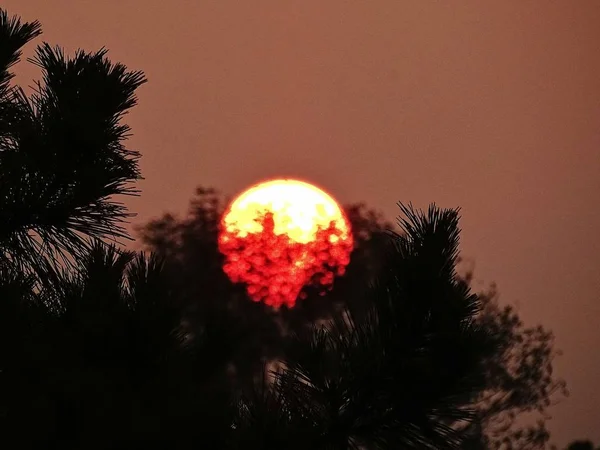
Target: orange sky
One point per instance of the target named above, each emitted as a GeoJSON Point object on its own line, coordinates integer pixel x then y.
{"type": "Point", "coordinates": [491, 106]}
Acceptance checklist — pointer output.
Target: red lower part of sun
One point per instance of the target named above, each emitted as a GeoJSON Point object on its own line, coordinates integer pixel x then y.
{"type": "Point", "coordinates": [276, 269]}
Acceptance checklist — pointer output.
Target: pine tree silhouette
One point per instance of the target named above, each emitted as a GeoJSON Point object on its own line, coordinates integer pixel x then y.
{"type": "Point", "coordinates": [62, 157]}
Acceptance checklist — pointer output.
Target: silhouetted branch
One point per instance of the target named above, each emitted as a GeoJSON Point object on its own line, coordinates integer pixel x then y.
{"type": "Point", "coordinates": [62, 158]}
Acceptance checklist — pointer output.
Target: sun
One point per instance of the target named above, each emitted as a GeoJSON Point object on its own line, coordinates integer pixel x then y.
{"type": "Point", "coordinates": [282, 235]}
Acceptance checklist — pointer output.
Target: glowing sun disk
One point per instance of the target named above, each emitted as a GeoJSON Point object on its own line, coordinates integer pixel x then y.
{"type": "Point", "coordinates": [282, 235]}
{"type": "Point", "coordinates": [299, 210]}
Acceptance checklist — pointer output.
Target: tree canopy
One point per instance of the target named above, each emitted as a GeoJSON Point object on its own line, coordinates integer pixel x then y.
{"type": "Point", "coordinates": [580, 445]}
{"type": "Point", "coordinates": [519, 377]}
{"type": "Point", "coordinates": [62, 156]}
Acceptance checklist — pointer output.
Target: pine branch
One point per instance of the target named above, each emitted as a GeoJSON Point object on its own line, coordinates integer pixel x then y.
{"type": "Point", "coordinates": [63, 160]}
{"type": "Point", "coordinates": [13, 36]}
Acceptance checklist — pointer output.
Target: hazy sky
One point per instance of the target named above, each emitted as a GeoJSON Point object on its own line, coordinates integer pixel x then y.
{"type": "Point", "coordinates": [491, 106]}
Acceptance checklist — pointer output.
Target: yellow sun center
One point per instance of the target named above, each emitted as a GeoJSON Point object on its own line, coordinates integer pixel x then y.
{"type": "Point", "coordinates": [298, 209]}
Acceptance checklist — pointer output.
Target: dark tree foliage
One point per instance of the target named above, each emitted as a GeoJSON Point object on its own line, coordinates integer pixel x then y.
{"type": "Point", "coordinates": [519, 376]}
{"type": "Point", "coordinates": [581, 445]}
{"type": "Point", "coordinates": [101, 359]}
{"type": "Point", "coordinates": [520, 379]}
{"type": "Point", "coordinates": [62, 156]}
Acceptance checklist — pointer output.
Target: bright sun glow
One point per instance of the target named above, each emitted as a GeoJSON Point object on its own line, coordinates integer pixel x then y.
{"type": "Point", "coordinates": [282, 235]}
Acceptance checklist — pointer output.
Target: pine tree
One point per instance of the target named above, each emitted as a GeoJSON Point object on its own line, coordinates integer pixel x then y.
{"type": "Point", "coordinates": [62, 156]}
